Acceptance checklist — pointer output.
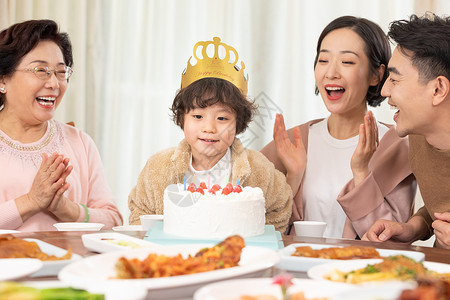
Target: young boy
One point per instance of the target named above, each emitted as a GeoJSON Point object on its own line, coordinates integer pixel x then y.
{"type": "Point", "coordinates": [212, 109]}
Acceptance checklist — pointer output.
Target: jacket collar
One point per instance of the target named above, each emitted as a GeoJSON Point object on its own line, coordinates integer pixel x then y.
{"type": "Point", "coordinates": [240, 168]}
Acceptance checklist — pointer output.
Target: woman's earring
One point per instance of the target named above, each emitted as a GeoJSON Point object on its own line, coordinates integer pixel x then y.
{"type": "Point", "coordinates": [2, 89]}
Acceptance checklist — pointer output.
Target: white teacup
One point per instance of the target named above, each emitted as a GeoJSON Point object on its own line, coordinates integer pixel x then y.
{"type": "Point", "coordinates": [147, 221]}
{"type": "Point", "coordinates": [310, 228]}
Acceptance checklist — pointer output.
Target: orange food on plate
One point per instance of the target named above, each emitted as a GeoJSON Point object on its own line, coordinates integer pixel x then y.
{"type": "Point", "coordinates": [11, 247]}
{"type": "Point", "coordinates": [428, 289]}
{"type": "Point", "coordinates": [350, 252]}
{"type": "Point", "coordinates": [226, 254]}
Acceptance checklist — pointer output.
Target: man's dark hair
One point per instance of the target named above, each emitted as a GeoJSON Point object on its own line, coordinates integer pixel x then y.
{"type": "Point", "coordinates": [426, 40]}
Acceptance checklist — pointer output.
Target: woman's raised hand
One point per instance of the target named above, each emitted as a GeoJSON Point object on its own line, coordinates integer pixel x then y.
{"type": "Point", "coordinates": [367, 144]}
{"type": "Point", "coordinates": [292, 155]}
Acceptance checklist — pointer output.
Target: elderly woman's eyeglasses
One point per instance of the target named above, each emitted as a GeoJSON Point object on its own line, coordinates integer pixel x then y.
{"type": "Point", "coordinates": [62, 73]}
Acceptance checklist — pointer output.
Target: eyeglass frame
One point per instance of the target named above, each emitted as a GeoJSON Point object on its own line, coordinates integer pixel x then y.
{"type": "Point", "coordinates": [67, 69]}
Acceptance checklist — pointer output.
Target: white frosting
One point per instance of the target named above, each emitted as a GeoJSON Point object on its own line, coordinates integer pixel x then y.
{"type": "Point", "coordinates": [213, 216]}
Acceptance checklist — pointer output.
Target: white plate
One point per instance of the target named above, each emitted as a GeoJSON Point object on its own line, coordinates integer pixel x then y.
{"type": "Point", "coordinates": [384, 291]}
{"type": "Point", "coordinates": [128, 228]}
{"type": "Point", "coordinates": [51, 268]}
{"type": "Point", "coordinates": [7, 231]}
{"type": "Point", "coordinates": [107, 242]}
{"type": "Point", "coordinates": [99, 269]}
{"type": "Point", "coordinates": [302, 264]}
{"type": "Point", "coordinates": [13, 268]}
{"type": "Point", "coordinates": [233, 289]}
{"type": "Point", "coordinates": [110, 293]}
{"type": "Point", "coordinates": [78, 226]}
{"type": "Point", "coordinates": [319, 271]}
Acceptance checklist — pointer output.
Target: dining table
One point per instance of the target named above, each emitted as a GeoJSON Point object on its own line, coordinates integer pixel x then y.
{"type": "Point", "coordinates": [73, 240]}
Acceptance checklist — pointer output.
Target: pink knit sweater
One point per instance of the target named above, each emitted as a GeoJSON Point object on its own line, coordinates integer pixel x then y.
{"type": "Point", "coordinates": [88, 183]}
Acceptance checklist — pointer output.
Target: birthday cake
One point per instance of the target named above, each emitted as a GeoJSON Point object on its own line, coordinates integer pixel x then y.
{"type": "Point", "coordinates": [199, 212]}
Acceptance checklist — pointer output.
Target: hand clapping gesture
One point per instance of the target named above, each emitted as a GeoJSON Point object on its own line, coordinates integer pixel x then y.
{"type": "Point", "coordinates": [49, 184]}
{"type": "Point", "coordinates": [292, 155]}
{"type": "Point", "coordinates": [367, 144]}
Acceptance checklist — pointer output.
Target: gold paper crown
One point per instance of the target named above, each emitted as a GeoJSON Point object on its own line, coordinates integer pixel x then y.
{"type": "Point", "coordinates": [215, 66]}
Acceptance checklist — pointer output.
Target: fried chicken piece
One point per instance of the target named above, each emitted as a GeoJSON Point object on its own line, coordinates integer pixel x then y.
{"type": "Point", "coordinates": [350, 252]}
{"type": "Point", "coordinates": [226, 254]}
{"type": "Point", "coordinates": [428, 289]}
{"type": "Point", "coordinates": [11, 247]}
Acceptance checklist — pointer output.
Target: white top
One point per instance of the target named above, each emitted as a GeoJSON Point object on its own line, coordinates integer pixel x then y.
{"type": "Point", "coordinates": [327, 171]}
{"type": "Point", "coordinates": [219, 174]}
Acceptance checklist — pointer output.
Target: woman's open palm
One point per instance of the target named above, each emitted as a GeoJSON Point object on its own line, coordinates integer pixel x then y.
{"type": "Point", "coordinates": [292, 155]}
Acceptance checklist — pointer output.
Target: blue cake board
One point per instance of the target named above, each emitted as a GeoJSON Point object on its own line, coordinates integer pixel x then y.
{"type": "Point", "coordinates": [269, 239]}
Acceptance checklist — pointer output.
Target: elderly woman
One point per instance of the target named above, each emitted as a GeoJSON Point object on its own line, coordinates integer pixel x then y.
{"type": "Point", "coordinates": [50, 172]}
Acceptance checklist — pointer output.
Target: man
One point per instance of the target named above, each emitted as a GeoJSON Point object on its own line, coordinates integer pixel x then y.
{"type": "Point", "coordinates": [419, 87]}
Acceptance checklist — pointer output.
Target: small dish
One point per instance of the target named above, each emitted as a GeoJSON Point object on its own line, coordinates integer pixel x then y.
{"type": "Point", "coordinates": [113, 241]}
{"type": "Point", "coordinates": [128, 228]}
{"type": "Point", "coordinates": [8, 231]}
{"type": "Point", "coordinates": [148, 221]}
{"type": "Point", "coordinates": [78, 226]}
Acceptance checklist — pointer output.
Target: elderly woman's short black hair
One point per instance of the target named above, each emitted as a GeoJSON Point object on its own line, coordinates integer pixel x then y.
{"type": "Point", "coordinates": [19, 39]}
{"type": "Point", "coordinates": [209, 91]}
{"type": "Point", "coordinates": [377, 49]}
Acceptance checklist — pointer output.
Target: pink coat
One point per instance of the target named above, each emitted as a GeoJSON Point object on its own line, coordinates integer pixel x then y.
{"type": "Point", "coordinates": [387, 193]}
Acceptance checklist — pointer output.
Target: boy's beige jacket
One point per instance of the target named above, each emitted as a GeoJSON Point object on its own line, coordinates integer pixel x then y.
{"type": "Point", "coordinates": [251, 167]}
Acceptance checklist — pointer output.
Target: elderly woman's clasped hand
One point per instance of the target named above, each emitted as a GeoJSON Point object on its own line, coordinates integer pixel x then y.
{"type": "Point", "coordinates": [50, 183]}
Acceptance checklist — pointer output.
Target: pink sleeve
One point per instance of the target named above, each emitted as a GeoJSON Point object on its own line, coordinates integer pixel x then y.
{"type": "Point", "coordinates": [387, 193]}
{"type": "Point", "coordinates": [10, 216]}
{"type": "Point", "coordinates": [397, 205]}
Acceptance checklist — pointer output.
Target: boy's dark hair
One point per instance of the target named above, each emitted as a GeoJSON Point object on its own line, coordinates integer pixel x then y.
{"type": "Point", "coordinates": [377, 49]}
{"type": "Point", "coordinates": [426, 40]}
{"type": "Point", "coordinates": [209, 91]}
{"type": "Point", "coordinates": [19, 39]}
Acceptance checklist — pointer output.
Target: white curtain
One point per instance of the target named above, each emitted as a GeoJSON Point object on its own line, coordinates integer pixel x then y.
{"type": "Point", "coordinates": [129, 55]}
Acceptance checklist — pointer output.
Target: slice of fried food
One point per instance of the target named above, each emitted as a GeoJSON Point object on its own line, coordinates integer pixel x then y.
{"type": "Point", "coordinates": [11, 247]}
{"type": "Point", "coordinates": [349, 252]}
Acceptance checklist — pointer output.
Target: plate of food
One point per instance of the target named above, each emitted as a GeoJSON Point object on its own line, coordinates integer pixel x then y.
{"type": "Point", "coordinates": [369, 271]}
{"type": "Point", "coordinates": [56, 258]}
{"type": "Point", "coordinates": [301, 257]}
{"type": "Point", "coordinates": [423, 288]}
{"type": "Point", "coordinates": [13, 268]}
{"type": "Point", "coordinates": [52, 257]}
{"type": "Point", "coordinates": [264, 288]}
{"type": "Point", "coordinates": [54, 289]}
{"type": "Point", "coordinates": [186, 267]}
{"type": "Point", "coordinates": [113, 241]}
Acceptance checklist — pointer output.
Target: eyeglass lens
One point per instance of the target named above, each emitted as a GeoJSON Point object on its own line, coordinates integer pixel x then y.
{"type": "Point", "coordinates": [45, 72]}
